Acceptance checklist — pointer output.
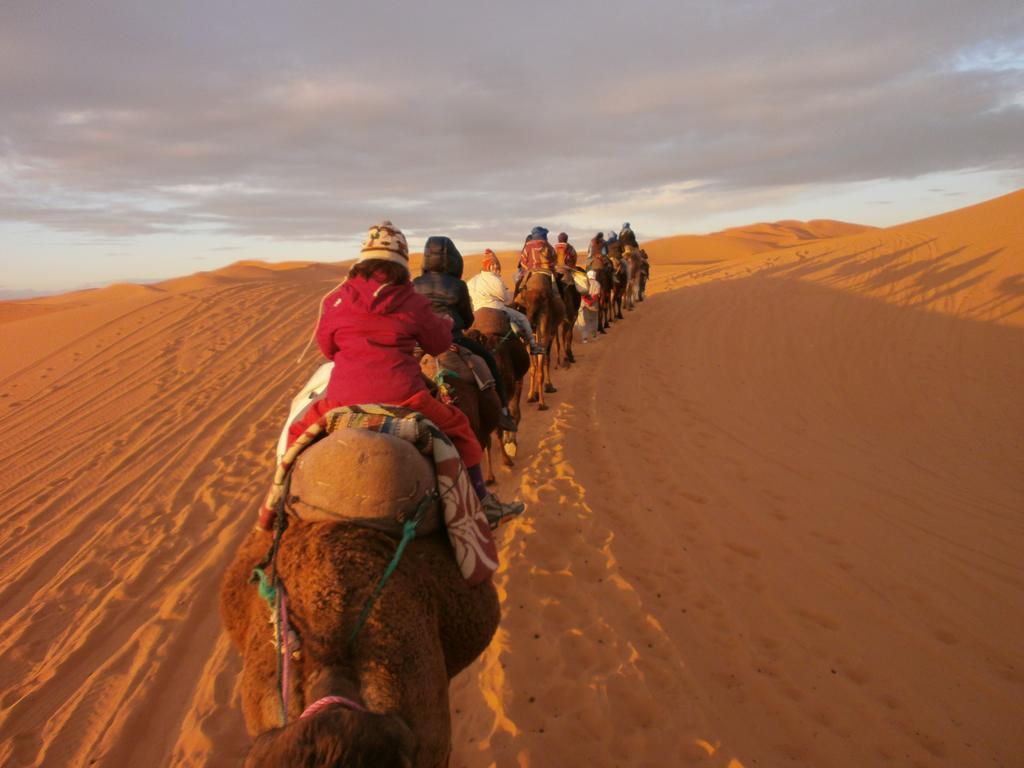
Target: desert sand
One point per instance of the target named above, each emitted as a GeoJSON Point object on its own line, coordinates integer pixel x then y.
{"type": "Point", "coordinates": [775, 517]}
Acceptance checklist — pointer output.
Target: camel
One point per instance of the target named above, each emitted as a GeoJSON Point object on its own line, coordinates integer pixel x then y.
{"type": "Point", "coordinates": [620, 278]}
{"type": "Point", "coordinates": [482, 407]}
{"type": "Point", "coordinates": [544, 309]}
{"type": "Point", "coordinates": [492, 328]}
{"type": "Point", "coordinates": [635, 261]}
{"type": "Point", "coordinates": [571, 300]}
{"type": "Point", "coordinates": [427, 625]}
{"type": "Point", "coordinates": [645, 273]}
{"type": "Point", "coordinates": [604, 302]}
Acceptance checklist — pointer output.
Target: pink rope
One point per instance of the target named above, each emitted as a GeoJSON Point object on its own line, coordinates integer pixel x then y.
{"type": "Point", "coordinates": [286, 652]}
{"type": "Point", "coordinates": [321, 704]}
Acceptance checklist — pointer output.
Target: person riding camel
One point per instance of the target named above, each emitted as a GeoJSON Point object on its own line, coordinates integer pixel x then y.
{"type": "Point", "coordinates": [566, 252]}
{"type": "Point", "coordinates": [613, 247]}
{"type": "Point", "coordinates": [442, 284]}
{"type": "Point", "coordinates": [487, 290]}
{"type": "Point", "coordinates": [537, 254]}
{"type": "Point", "coordinates": [369, 326]}
{"type": "Point", "coordinates": [627, 238]}
{"type": "Point", "coordinates": [596, 252]}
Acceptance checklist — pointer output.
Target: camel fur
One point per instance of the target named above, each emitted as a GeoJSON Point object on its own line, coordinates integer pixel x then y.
{"type": "Point", "coordinates": [426, 626]}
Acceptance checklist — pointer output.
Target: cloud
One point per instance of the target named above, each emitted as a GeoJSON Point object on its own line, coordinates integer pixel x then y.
{"type": "Point", "coordinates": [122, 120]}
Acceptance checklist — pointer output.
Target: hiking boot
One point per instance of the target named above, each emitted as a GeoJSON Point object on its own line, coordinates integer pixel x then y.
{"type": "Point", "coordinates": [499, 513]}
{"type": "Point", "coordinates": [506, 423]}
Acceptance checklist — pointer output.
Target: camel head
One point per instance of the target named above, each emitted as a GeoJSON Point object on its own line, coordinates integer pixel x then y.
{"type": "Point", "coordinates": [336, 737]}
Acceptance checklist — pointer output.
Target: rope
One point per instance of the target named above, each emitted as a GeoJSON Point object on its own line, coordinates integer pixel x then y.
{"type": "Point", "coordinates": [320, 705]}
{"type": "Point", "coordinates": [408, 534]}
{"type": "Point", "coordinates": [319, 314]}
{"type": "Point", "coordinates": [273, 593]}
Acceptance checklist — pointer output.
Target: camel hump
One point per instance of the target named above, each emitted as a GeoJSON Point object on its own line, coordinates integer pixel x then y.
{"type": "Point", "coordinates": [489, 320]}
{"type": "Point", "coordinates": [365, 477]}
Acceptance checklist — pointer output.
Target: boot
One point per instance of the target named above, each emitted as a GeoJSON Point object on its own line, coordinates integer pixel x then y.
{"type": "Point", "coordinates": [499, 513]}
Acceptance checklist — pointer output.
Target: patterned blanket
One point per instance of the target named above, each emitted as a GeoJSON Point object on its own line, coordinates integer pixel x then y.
{"type": "Point", "coordinates": [468, 531]}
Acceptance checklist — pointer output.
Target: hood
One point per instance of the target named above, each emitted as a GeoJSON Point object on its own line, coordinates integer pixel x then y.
{"type": "Point", "coordinates": [373, 296]}
{"type": "Point", "coordinates": [440, 255]}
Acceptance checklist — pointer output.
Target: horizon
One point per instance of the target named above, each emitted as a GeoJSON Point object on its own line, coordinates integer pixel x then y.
{"type": "Point", "coordinates": [140, 144]}
{"type": "Point", "coordinates": [7, 294]}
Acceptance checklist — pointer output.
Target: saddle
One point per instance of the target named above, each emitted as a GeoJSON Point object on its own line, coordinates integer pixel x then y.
{"type": "Point", "coordinates": [491, 322]}
{"type": "Point", "coordinates": [461, 363]}
{"type": "Point", "coordinates": [370, 478]}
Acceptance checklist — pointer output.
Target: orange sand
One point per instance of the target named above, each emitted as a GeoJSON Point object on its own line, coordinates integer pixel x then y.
{"type": "Point", "coordinates": [775, 517]}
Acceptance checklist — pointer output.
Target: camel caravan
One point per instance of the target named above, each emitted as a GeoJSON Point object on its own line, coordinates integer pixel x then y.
{"type": "Point", "coordinates": [365, 586]}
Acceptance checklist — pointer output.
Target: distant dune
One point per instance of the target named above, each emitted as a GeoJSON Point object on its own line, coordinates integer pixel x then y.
{"type": "Point", "coordinates": [775, 516]}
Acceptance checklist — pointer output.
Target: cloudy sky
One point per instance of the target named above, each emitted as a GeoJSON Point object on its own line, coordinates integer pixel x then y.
{"type": "Point", "coordinates": [148, 139]}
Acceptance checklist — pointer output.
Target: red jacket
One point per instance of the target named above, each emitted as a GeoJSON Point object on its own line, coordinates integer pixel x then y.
{"type": "Point", "coordinates": [568, 254]}
{"type": "Point", "coordinates": [369, 329]}
{"type": "Point", "coordinates": [537, 254]}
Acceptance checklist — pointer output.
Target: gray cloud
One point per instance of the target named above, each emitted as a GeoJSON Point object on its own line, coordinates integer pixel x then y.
{"type": "Point", "coordinates": [126, 119]}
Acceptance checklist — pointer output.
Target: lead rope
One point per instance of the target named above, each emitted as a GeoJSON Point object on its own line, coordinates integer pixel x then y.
{"type": "Point", "coordinates": [408, 534]}
{"type": "Point", "coordinates": [319, 314]}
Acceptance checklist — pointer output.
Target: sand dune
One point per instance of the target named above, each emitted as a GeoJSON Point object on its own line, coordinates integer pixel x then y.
{"type": "Point", "coordinates": [775, 516]}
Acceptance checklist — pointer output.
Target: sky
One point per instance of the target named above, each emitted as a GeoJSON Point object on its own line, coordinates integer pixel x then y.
{"type": "Point", "coordinates": [141, 140]}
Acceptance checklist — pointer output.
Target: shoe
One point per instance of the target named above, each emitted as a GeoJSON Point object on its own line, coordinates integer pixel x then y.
{"type": "Point", "coordinates": [506, 423]}
{"type": "Point", "coordinates": [499, 513]}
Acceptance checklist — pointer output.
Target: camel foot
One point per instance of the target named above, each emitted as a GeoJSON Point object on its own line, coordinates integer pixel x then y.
{"type": "Point", "coordinates": [542, 407]}
{"type": "Point", "coordinates": [619, 317]}
{"type": "Point", "coordinates": [532, 398]}
{"type": "Point", "coordinates": [550, 388]}
{"type": "Point", "coordinates": [571, 357]}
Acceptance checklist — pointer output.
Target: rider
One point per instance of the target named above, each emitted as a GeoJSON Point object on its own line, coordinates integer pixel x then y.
{"type": "Point", "coordinates": [627, 238]}
{"type": "Point", "coordinates": [566, 251]}
{"type": "Point", "coordinates": [613, 247]}
{"type": "Point", "coordinates": [596, 252]}
{"type": "Point", "coordinates": [441, 283]}
{"type": "Point", "coordinates": [537, 254]}
{"type": "Point", "coordinates": [369, 327]}
{"type": "Point", "coordinates": [488, 290]}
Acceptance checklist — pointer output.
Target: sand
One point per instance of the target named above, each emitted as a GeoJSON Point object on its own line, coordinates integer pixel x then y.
{"type": "Point", "coordinates": [775, 517]}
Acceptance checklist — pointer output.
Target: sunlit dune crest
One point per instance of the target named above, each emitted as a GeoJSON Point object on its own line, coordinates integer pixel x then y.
{"type": "Point", "coordinates": [774, 516]}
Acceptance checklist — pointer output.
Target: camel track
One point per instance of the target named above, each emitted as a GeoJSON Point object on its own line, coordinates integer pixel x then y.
{"type": "Point", "coordinates": [774, 517]}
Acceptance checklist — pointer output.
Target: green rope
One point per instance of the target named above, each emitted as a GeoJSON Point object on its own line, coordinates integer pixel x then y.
{"type": "Point", "coordinates": [408, 533]}
{"type": "Point", "coordinates": [265, 587]}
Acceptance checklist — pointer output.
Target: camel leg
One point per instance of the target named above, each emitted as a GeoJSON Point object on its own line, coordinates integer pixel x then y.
{"type": "Point", "coordinates": [489, 478]}
{"type": "Point", "coordinates": [546, 371]}
{"type": "Point", "coordinates": [534, 367]}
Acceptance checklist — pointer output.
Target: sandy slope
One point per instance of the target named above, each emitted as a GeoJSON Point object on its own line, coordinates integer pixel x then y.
{"type": "Point", "coordinates": [775, 517]}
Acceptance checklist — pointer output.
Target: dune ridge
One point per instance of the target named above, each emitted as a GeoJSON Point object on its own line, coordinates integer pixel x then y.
{"type": "Point", "coordinates": [774, 517]}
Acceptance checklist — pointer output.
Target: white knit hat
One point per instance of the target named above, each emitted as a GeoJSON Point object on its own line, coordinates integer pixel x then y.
{"type": "Point", "coordinates": [385, 241]}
